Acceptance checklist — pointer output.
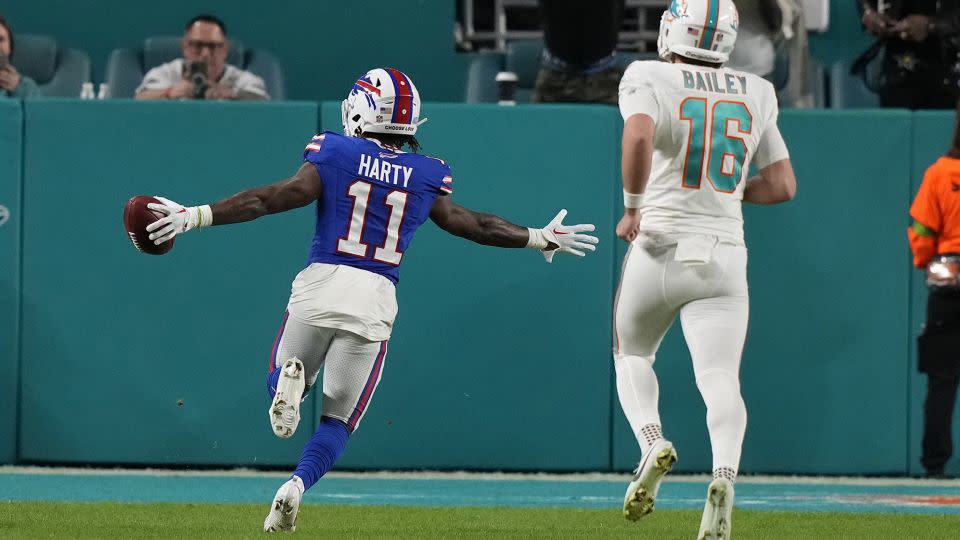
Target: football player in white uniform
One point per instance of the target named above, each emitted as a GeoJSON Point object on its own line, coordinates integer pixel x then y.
{"type": "Point", "coordinates": [691, 130]}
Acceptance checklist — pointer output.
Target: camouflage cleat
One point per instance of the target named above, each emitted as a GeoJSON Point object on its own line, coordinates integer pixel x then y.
{"type": "Point", "coordinates": [718, 511]}
{"type": "Point", "coordinates": [642, 491]}
{"type": "Point", "coordinates": [285, 507]}
{"type": "Point", "coordinates": [284, 411]}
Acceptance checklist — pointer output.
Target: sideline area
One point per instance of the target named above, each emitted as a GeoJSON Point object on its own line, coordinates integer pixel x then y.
{"type": "Point", "coordinates": [437, 489]}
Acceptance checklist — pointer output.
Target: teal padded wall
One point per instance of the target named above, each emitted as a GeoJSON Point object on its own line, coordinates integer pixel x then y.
{"type": "Point", "coordinates": [826, 352]}
{"type": "Point", "coordinates": [499, 360]}
{"type": "Point", "coordinates": [322, 46]}
{"type": "Point", "coordinates": [11, 129]}
{"type": "Point", "coordinates": [932, 133]}
{"type": "Point", "coordinates": [113, 338]}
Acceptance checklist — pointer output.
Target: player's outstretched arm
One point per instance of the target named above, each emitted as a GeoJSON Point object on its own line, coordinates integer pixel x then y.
{"type": "Point", "coordinates": [491, 230]}
{"type": "Point", "coordinates": [299, 190]}
{"type": "Point", "coordinates": [776, 183]}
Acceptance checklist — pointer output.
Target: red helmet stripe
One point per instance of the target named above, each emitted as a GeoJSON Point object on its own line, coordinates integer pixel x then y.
{"type": "Point", "coordinates": [403, 105]}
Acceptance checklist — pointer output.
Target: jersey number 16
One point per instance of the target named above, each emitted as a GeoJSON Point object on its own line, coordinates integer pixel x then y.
{"type": "Point", "coordinates": [712, 141]}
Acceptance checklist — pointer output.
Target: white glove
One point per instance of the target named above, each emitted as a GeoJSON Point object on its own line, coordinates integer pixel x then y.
{"type": "Point", "coordinates": [178, 219]}
{"type": "Point", "coordinates": [557, 237]}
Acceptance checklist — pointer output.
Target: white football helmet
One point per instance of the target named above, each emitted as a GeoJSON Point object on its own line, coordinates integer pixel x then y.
{"type": "Point", "coordinates": [382, 101]}
{"type": "Point", "coordinates": [703, 30]}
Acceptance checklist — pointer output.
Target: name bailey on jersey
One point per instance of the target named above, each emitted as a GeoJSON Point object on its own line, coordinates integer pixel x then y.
{"type": "Point", "coordinates": [389, 173]}
{"type": "Point", "coordinates": [710, 82]}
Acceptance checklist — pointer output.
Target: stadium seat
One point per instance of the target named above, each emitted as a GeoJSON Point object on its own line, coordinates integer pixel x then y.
{"type": "Point", "coordinates": [481, 72]}
{"type": "Point", "coordinates": [817, 80]}
{"type": "Point", "coordinates": [848, 91]}
{"type": "Point", "coordinates": [58, 71]}
{"type": "Point", "coordinates": [523, 58]}
{"type": "Point", "coordinates": [818, 76]}
{"type": "Point", "coordinates": [126, 67]}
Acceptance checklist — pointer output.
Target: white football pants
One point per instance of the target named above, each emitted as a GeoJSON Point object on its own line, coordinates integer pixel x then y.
{"type": "Point", "coordinates": [705, 280]}
{"type": "Point", "coordinates": [353, 365]}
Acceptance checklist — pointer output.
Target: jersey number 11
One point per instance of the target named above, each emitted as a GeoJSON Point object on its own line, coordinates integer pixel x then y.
{"type": "Point", "coordinates": [725, 153]}
{"type": "Point", "coordinates": [352, 244]}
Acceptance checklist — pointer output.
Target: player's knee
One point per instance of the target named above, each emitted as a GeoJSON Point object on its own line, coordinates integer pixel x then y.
{"type": "Point", "coordinates": [622, 359]}
{"type": "Point", "coordinates": [720, 387]}
{"type": "Point", "coordinates": [718, 377]}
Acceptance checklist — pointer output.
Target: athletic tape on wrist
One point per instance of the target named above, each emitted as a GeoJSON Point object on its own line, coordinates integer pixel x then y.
{"type": "Point", "coordinates": [204, 215]}
{"type": "Point", "coordinates": [537, 239]}
{"type": "Point", "coordinates": [632, 200]}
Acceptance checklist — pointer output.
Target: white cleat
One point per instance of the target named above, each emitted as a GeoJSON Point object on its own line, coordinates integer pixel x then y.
{"type": "Point", "coordinates": [642, 491]}
{"type": "Point", "coordinates": [718, 511]}
{"type": "Point", "coordinates": [285, 506]}
{"type": "Point", "coordinates": [284, 412]}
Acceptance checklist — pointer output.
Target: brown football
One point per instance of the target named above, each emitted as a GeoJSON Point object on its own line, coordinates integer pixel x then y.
{"type": "Point", "coordinates": [136, 217]}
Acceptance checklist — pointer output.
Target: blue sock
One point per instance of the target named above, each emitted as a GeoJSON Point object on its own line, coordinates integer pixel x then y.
{"type": "Point", "coordinates": [272, 380]}
{"type": "Point", "coordinates": [322, 451]}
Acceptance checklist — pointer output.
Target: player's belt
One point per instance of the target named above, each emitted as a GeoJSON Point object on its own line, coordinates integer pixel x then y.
{"type": "Point", "coordinates": [943, 272]}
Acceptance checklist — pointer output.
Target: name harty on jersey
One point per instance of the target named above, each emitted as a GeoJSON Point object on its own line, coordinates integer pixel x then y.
{"type": "Point", "coordinates": [709, 82]}
{"type": "Point", "coordinates": [389, 173]}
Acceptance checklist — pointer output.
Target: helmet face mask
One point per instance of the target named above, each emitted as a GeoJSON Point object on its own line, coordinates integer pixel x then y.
{"type": "Point", "coordinates": [703, 30]}
{"type": "Point", "coordinates": [382, 101]}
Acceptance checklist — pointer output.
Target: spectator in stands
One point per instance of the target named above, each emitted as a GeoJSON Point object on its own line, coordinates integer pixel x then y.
{"type": "Point", "coordinates": [12, 83]}
{"type": "Point", "coordinates": [935, 242]}
{"type": "Point", "coordinates": [765, 26]}
{"type": "Point", "coordinates": [203, 72]}
{"type": "Point", "coordinates": [761, 23]}
{"type": "Point", "coordinates": [920, 51]}
{"type": "Point", "coordinates": [579, 51]}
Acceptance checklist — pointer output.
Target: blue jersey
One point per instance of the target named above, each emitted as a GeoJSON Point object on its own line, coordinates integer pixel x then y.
{"type": "Point", "coordinates": [373, 200]}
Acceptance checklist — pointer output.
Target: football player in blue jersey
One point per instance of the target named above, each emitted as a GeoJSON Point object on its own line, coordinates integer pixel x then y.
{"type": "Point", "coordinates": [371, 196]}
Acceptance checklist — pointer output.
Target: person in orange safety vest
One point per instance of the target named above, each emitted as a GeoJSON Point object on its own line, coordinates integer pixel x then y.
{"type": "Point", "coordinates": [935, 242]}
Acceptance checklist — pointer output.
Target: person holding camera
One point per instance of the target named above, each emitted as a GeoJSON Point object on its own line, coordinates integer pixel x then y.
{"type": "Point", "coordinates": [203, 72]}
{"type": "Point", "coordinates": [12, 83]}
{"type": "Point", "coordinates": [920, 40]}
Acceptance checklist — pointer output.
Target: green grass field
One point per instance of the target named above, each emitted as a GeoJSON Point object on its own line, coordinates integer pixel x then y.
{"type": "Point", "coordinates": [110, 520]}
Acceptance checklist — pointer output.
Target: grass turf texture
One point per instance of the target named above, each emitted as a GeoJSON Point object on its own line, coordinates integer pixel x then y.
{"type": "Point", "coordinates": [116, 520]}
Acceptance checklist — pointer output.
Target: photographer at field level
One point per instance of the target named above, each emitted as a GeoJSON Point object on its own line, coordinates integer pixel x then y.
{"type": "Point", "coordinates": [12, 83]}
{"type": "Point", "coordinates": [203, 72]}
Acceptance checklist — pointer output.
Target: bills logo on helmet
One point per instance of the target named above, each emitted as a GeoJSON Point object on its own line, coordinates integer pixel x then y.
{"type": "Point", "coordinates": [366, 87]}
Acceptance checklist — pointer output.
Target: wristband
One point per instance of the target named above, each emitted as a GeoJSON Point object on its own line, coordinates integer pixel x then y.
{"type": "Point", "coordinates": [632, 200]}
{"type": "Point", "coordinates": [537, 239]}
{"type": "Point", "coordinates": [204, 215]}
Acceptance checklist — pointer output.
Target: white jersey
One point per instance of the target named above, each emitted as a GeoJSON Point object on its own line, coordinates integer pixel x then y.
{"type": "Point", "coordinates": [710, 124]}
